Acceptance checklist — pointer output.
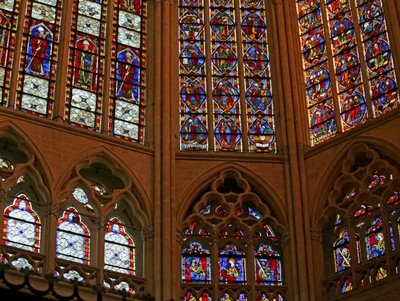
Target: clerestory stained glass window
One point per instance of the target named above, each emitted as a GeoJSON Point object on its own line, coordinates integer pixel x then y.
{"type": "Point", "coordinates": [127, 104]}
{"type": "Point", "coordinates": [21, 225]}
{"type": "Point", "coordinates": [8, 24]}
{"type": "Point", "coordinates": [225, 80]}
{"type": "Point", "coordinates": [73, 237]}
{"type": "Point", "coordinates": [86, 60]}
{"type": "Point", "coordinates": [36, 84]}
{"type": "Point", "coordinates": [119, 248]}
{"type": "Point", "coordinates": [348, 65]}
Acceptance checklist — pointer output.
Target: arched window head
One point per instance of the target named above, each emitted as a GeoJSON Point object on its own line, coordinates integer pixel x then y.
{"type": "Point", "coordinates": [225, 78]}
{"type": "Point", "coordinates": [348, 66]}
{"type": "Point", "coordinates": [21, 226]}
{"type": "Point", "coordinates": [119, 248]}
{"type": "Point", "coordinates": [362, 232]}
{"type": "Point", "coordinates": [230, 242]}
{"type": "Point", "coordinates": [73, 237]}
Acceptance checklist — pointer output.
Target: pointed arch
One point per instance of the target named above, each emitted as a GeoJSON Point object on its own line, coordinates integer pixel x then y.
{"type": "Point", "coordinates": [262, 188]}
{"type": "Point", "coordinates": [133, 188]}
{"type": "Point", "coordinates": [335, 168]}
{"type": "Point", "coordinates": [36, 163]}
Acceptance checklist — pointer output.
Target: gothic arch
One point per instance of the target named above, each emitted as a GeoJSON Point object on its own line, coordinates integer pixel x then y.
{"type": "Point", "coordinates": [259, 186]}
{"type": "Point", "coordinates": [335, 169]}
{"type": "Point", "coordinates": [132, 190]}
{"type": "Point", "coordinates": [36, 164]}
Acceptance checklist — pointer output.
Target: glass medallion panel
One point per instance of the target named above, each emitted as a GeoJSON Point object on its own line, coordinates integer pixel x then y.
{"type": "Point", "coordinates": [39, 51]}
{"type": "Point", "coordinates": [127, 105]}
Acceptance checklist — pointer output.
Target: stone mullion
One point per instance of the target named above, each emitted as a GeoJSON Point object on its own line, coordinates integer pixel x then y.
{"type": "Point", "coordinates": [49, 242]}
{"type": "Point", "coordinates": [17, 54]}
{"type": "Point", "coordinates": [156, 254]}
{"type": "Point", "coordinates": [208, 75]}
{"type": "Point", "coordinates": [62, 61]}
{"type": "Point", "coordinates": [296, 191]}
{"type": "Point", "coordinates": [110, 28]}
{"type": "Point", "coordinates": [241, 68]}
{"type": "Point", "coordinates": [100, 249]}
{"type": "Point", "coordinates": [362, 60]}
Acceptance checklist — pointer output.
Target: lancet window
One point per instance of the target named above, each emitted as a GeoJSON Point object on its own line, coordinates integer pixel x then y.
{"type": "Point", "coordinates": [230, 250]}
{"type": "Point", "coordinates": [348, 64]}
{"type": "Point", "coordinates": [364, 232]}
{"type": "Point", "coordinates": [225, 78]}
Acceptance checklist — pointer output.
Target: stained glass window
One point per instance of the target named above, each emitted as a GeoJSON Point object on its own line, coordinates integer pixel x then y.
{"type": "Point", "coordinates": [119, 249]}
{"type": "Point", "coordinates": [341, 251]}
{"type": "Point", "coordinates": [39, 57]}
{"type": "Point", "coordinates": [268, 266]}
{"type": "Point", "coordinates": [232, 265]}
{"type": "Point", "coordinates": [86, 59]}
{"type": "Point", "coordinates": [127, 105]}
{"type": "Point", "coordinates": [21, 225]}
{"type": "Point", "coordinates": [196, 264]}
{"type": "Point", "coordinates": [356, 29]}
{"type": "Point", "coordinates": [234, 38]}
{"type": "Point", "coordinates": [8, 24]}
{"type": "Point", "coordinates": [374, 240]}
{"type": "Point", "coordinates": [73, 237]}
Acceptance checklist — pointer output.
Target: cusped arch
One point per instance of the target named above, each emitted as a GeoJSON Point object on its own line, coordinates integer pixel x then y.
{"type": "Point", "coordinates": [133, 188]}
{"type": "Point", "coordinates": [211, 177]}
{"type": "Point", "coordinates": [366, 147]}
{"type": "Point", "coordinates": [36, 165]}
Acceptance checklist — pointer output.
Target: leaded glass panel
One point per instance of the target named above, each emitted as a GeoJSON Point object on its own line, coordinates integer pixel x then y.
{"type": "Point", "coordinates": [73, 237]}
{"type": "Point", "coordinates": [21, 225]}
{"type": "Point", "coordinates": [119, 249]}
{"type": "Point", "coordinates": [36, 85]}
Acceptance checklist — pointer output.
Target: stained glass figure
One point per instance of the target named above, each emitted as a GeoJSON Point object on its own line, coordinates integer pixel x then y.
{"type": "Point", "coordinates": [347, 286]}
{"type": "Point", "coordinates": [228, 297]}
{"type": "Point", "coordinates": [73, 237]}
{"type": "Point", "coordinates": [127, 104]}
{"type": "Point", "coordinates": [231, 265]}
{"type": "Point", "coordinates": [267, 266]}
{"type": "Point", "coordinates": [193, 95]}
{"type": "Point", "coordinates": [352, 92]}
{"type": "Point", "coordinates": [119, 248]}
{"type": "Point", "coordinates": [189, 296]}
{"type": "Point", "coordinates": [374, 239]}
{"type": "Point", "coordinates": [86, 55]}
{"type": "Point", "coordinates": [341, 251]}
{"type": "Point", "coordinates": [8, 23]}
{"type": "Point", "coordinates": [39, 57]}
{"type": "Point", "coordinates": [196, 264]}
{"type": "Point", "coordinates": [394, 199]}
{"type": "Point", "coordinates": [377, 180]}
{"type": "Point", "coordinates": [264, 297]}
{"type": "Point", "coordinates": [21, 225]}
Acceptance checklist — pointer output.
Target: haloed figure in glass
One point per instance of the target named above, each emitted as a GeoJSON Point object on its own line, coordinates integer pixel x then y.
{"type": "Point", "coordinates": [196, 270]}
{"type": "Point", "coordinates": [230, 273]}
{"type": "Point", "coordinates": [86, 65]}
{"type": "Point", "coordinates": [39, 49]}
{"type": "Point", "coordinates": [128, 76]}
